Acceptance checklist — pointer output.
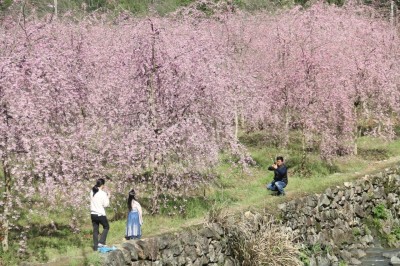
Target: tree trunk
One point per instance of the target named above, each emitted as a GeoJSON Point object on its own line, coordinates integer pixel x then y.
{"type": "Point", "coordinates": [392, 11]}
{"type": "Point", "coordinates": [5, 225]}
{"type": "Point", "coordinates": [357, 134]}
{"type": "Point", "coordinates": [236, 123]}
{"type": "Point", "coordinates": [55, 8]}
{"type": "Point", "coordinates": [151, 83]}
{"type": "Point", "coordinates": [304, 154]}
{"type": "Point", "coordinates": [236, 92]}
{"type": "Point", "coordinates": [241, 121]}
{"type": "Point", "coordinates": [286, 132]}
{"type": "Point", "coordinates": [155, 206]}
{"type": "Point", "coordinates": [355, 151]}
{"type": "Point", "coordinates": [7, 189]}
{"type": "Point", "coordinates": [151, 101]}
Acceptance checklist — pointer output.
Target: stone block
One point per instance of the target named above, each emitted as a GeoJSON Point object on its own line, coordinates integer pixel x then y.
{"type": "Point", "coordinates": [389, 255]}
{"type": "Point", "coordinates": [176, 247]}
{"type": "Point", "coordinates": [354, 261]}
{"type": "Point", "coordinates": [229, 262]}
{"type": "Point", "coordinates": [312, 201]}
{"type": "Point", "coordinates": [114, 258]}
{"type": "Point", "coordinates": [190, 252]}
{"type": "Point", "coordinates": [323, 261]}
{"type": "Point", "coordinates": [323, 201]}
{"type": "Point", "coordinates": [209, 233]}
{"type": "Point", "coordinates": [395, 261]}
{"type": "Point", "coordinates": [358, 253]}
{"type": "Point", "coordinates": [132, 250]}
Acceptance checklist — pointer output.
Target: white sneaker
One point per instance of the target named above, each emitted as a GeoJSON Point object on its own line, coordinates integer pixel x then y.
{"type": "Point", "coordinates": [101, 245]}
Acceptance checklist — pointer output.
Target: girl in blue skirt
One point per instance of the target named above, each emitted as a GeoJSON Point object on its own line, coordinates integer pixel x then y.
{"type": "Point", "coordinates": [135, 221]}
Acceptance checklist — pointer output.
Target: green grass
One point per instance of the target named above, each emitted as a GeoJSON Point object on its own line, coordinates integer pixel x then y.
{"type": "Point", "coordinates": [234, 189]}
{"type": "Point", "coordinates": [167, 6]}
{"type": "Point", "coordinates": [81, 7]}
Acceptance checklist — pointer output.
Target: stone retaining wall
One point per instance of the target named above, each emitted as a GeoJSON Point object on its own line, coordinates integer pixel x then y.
{"type": "Point", "coordinates": [336, 217]}
{"type": "Point", "coordinates": [204, 246]}
{"type": "Point", "coordinates": [332, 219]}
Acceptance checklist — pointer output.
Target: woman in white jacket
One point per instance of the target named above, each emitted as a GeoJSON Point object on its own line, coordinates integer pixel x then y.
{"type": "Point", "coordinates": [135, 220]}
{"type": "Point", "coordinates": [99, 199]}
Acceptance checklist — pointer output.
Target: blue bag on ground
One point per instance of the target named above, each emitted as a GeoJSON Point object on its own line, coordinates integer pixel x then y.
{"type": "Point", "coordinates": [106, 249]}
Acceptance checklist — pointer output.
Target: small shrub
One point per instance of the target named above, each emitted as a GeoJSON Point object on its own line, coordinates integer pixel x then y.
{"type": "Point", "coordinates": [313, 250]}
{"type": "Point", "coordinates": [259, 139]}
{"type": "Point", "coordinates": [376, 223]}
{"type": "Point", "coordinates": [396, 233]}
{"type": "Point", "coordinates": [397, 129]}
{"type": "Point", "coordinates": [312, 166]}
{"type": "Point", "coordinates": [9, 257]}
{"type": "Point", "coordinates": [304, 258]}
{"type": "Point", "coordinates": [216, 214]}
{"type": "Point", "coordinates": [380, 212]}
{"type": "Point", "coordinates": [5, 4]}
{"type": "Point", "coordinates": [393, 238]}
{"type": "Point", "coordinates": [384, 226]}
{"type": "Point", "coordinates": [367, 231]}
{"type": "Point", "coordinates": [356, 231]}
{"type": "Point", "coordinates": [119, 207]}
{"type": "Point", "coordinates": [390, 187]}
{"type": "Point", "coordinates": [373, 154]}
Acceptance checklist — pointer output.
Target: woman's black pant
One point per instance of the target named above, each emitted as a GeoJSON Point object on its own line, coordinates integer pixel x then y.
{"type": "Point", "coordinates": [96, 221]}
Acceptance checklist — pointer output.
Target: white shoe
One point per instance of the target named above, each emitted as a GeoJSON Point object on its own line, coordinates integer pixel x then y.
{"type": "Point", "coordinates": [101, 245]}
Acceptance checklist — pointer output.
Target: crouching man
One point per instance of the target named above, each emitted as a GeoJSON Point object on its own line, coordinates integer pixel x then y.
{"type": "Point", "coordinates": [280, 176]}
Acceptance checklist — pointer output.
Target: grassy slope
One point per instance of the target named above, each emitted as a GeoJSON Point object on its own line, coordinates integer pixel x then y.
{"type": "Point", "coordinates": [238, 191]}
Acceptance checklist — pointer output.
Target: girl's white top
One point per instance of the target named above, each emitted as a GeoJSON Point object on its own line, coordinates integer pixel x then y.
{"type": "Point", "coordinates": [98, 202]}
{"type": "Point", "coordinates": [136, 206]}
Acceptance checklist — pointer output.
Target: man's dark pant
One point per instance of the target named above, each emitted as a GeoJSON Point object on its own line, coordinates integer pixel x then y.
{"type": "Point", "coordinates": [96, 221]}
{"type": "Point", "coordinates": [277, 186]}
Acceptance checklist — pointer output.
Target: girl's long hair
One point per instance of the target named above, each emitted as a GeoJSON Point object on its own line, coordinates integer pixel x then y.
{"type": "Point", "coordinates": [132, 196]}
{"type": "Point", "coordinates": [99, 183]}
